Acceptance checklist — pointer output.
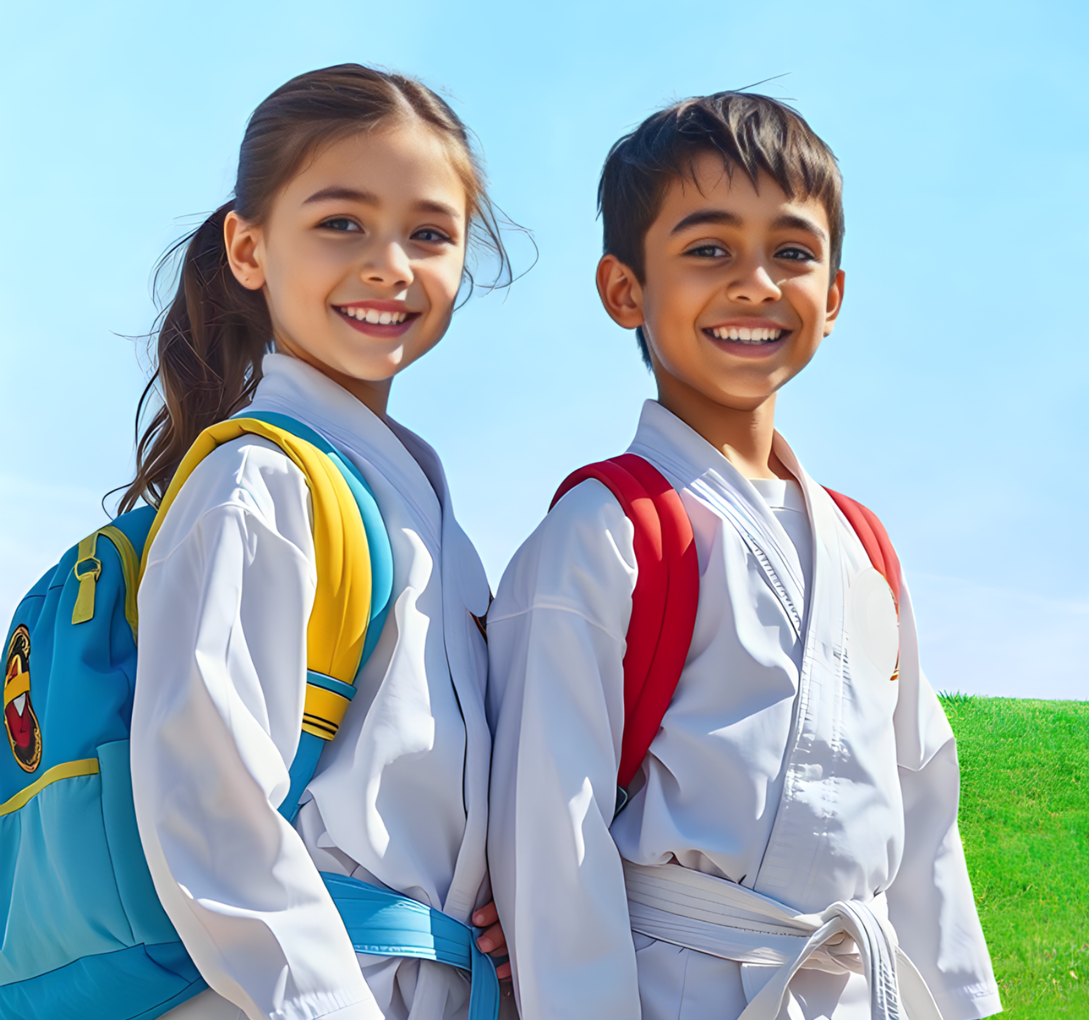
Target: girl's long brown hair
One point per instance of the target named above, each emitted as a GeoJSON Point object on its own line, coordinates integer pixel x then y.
{"type": "Point", "coordinates": [211, 338]}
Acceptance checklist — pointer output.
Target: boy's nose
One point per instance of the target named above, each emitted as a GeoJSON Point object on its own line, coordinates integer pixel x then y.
{"type": "Point", "coordinates": [753, 284]}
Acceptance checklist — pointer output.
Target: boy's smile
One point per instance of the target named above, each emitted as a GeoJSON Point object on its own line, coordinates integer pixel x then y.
{"type": "Point", "coordinates": [736, 293]}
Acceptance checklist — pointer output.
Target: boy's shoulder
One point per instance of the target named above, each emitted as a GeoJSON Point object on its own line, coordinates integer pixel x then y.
{"type": "Point", "coordinates": [581, 558]}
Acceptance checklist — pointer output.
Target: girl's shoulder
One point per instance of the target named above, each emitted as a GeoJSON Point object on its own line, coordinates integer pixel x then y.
{"type": "Point", "coordinates": [248, 482]}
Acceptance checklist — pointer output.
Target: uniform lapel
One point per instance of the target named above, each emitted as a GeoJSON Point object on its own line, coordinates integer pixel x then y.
{"type": "Point", "coordinates": [807, 797]}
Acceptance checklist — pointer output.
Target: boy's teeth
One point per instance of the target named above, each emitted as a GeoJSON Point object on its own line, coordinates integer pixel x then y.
{"type": "Point", "coordinates": [746, 335]}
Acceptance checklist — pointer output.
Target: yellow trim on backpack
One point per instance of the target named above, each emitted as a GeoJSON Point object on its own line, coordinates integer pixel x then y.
{"type": "Point", "coordinates": [342, 601]}
{"type": "Point", "coordinates": [18, 684]}
{"type": "Point", "coordinates": [323, 711]}
{"type": "Point", "coordinates": [67, 770]}
{"type": "Point", "coordinates": [130, 568]}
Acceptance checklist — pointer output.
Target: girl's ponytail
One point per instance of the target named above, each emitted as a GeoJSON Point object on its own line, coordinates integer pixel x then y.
{"type": "Point", "coordinates": [210, 345]}
{"type": "Point", "coordinates": [215, 333]}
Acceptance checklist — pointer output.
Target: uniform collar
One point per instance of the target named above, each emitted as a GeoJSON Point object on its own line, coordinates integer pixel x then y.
{"type": "Point", "coordinates": [293, 387]}
{"type": "Point", "coordinates": [694, 464]}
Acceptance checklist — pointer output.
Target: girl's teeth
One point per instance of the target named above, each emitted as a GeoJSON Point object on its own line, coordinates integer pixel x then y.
{"type": "Point", "coordinates": [375, 316]}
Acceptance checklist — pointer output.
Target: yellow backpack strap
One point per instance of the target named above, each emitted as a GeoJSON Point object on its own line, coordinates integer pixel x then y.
{"type": "Point", "coordinates": [338, 622]}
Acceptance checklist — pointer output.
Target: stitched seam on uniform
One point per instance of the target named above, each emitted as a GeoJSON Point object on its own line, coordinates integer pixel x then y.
{"type": "Point", "coordinates": [557, 609]}
{"type": "Point", "coordinates": [249, 512]}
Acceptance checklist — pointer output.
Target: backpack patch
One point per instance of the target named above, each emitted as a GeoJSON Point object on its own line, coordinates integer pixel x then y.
{"type": "Point", "coordinates": [24, 733]}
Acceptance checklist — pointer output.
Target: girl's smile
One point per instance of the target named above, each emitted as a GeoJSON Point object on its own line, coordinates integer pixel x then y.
{"type": "Point", "coordinates": [378, 318]}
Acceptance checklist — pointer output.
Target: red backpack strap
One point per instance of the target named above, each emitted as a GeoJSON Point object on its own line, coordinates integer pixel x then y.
{"type": "Point", "coordinates": [875, 540]}
{"type": "Point", "coordinates": [663, 612]}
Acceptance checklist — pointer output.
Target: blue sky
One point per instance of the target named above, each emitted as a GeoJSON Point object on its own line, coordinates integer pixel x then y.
{"type": "Point", "coordinates": [950, 398]}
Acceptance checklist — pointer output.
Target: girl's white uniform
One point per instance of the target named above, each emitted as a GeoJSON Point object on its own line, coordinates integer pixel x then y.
{"type": "Point", "coordinates": [787, 761]}
{"type": "Point", "coordinates": [400, 796]}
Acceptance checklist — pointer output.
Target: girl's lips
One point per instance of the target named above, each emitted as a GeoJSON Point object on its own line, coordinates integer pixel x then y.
{"type": "Point", "coordinates": [749, 348]}
{"type": "Point", "coordinates": [379, 329]}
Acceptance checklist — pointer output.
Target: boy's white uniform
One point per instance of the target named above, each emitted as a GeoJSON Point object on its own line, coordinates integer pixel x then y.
{"type": "Point", "coordinates": [400, 796]}
{"type": "Point", "coordinates": [787, 762]}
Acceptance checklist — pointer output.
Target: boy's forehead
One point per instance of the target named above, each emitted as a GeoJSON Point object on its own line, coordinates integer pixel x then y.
{"type": "Point", "coordinates": [715, 185]}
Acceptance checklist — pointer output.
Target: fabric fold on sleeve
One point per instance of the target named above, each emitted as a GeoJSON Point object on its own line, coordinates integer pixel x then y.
{"type": "Point", "coordinates": [221, 679]}
{"type": "Point", "coordinates": [556, 647]}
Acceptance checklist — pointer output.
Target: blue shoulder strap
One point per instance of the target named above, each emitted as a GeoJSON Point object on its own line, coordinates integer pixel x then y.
{"type": "Point", "coordinates": [311, 746]}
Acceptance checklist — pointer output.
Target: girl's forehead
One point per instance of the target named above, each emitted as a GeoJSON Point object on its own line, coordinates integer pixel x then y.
{"type": "Point", "coordinates": [403, 162]}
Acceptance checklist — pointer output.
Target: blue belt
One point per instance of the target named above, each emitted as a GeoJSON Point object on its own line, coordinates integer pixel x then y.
{"type": "Point", "coordinates": [384, 923]}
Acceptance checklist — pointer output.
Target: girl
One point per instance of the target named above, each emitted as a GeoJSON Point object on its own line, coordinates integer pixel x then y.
{"type": "Point", "coordinates": [335, 266]}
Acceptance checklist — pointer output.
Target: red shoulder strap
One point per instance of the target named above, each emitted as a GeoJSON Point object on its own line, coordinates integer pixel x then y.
{"type": "Point", "coordinates": [663, 613]}
{"type": "Point", "coordinates": [875, 540]}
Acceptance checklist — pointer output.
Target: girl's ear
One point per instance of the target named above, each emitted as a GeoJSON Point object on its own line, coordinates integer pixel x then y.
{"type": "Point", "coordinates": [245, 251]}
{"type": "Point", "coordinates": [620, 292]}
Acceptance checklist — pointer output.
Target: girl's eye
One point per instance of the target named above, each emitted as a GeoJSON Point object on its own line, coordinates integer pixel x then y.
{"type": "Point", "coordinates": [708, 251]}
{"type": "Point", "coordinates": [795, 254]}
{"type": "Point", "coordinates": [340, 223]}
{"type": "Point", "coordinates": [431, 235]}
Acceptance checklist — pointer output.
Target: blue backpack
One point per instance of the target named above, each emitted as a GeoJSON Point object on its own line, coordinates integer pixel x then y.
{"type": "Point", "coordinates": [84, 934]}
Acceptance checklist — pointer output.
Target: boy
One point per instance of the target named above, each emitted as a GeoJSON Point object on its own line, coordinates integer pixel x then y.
{"type": "Point", "coordinates": [796, 812]}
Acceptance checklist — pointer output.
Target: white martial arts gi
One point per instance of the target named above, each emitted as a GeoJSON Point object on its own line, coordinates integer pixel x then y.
{"type": "Point", "coordinates": [399, 797]}
{"type": "Point", "coordinates": [787, 761]}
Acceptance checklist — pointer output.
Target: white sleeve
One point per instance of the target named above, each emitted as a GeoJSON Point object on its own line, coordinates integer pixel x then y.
{"type": "Point", "coordinates": [556, 638]}
{"type": "Point", "coordinates": [930, 900]}
{"type": "Point", "coordinates": [219, 696]}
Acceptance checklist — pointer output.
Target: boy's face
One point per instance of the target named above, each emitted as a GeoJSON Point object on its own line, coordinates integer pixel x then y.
{"type": "Point", "coordinates": [737, 293]}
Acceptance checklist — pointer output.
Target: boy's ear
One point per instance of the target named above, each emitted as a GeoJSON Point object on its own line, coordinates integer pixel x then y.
{"type": "Point", "coordinates": [834, 302]}
{"type": "Point", "coordinates": [243, 242]}
{"type": "Point", "coordinates": [620, 292]}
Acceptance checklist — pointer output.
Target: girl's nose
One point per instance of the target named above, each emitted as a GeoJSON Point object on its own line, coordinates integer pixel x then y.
{"type": "Point", "coordinates": [754, 285]}
{"type": "Point", "coordinates": [389, 266]}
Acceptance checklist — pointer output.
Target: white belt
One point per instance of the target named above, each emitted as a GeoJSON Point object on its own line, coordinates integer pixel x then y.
{"type": "Point", "coordinates": [697, 911]}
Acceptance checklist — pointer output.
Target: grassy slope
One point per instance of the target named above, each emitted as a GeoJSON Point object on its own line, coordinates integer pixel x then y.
{"type": "Point", "coordinates": [1024, 819]}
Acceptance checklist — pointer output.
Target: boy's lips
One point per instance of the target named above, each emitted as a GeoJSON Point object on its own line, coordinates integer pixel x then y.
{"type": "Point", "coordinates": [378, 318]}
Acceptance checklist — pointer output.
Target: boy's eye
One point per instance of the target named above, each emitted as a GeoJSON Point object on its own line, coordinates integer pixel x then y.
{"type": "Point", "coordinates": [708, 251]}
{"type": "Point", "coordinates": [340, 223]}
{"type": "Point", "coordinates": [795, 254]}
{"type": "Point", "coordinates": [431, 235]}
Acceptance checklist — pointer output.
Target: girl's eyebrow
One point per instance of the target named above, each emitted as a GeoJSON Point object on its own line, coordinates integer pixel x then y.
{"type": "Point", "coordinates": [338, 193]}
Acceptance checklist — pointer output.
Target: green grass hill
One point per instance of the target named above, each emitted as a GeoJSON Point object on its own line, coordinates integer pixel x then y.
{"type": "Point", "coordinates": [1024, 820]}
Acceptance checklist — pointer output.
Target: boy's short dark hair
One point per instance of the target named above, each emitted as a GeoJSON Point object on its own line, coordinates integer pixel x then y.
{"type": "Point", "coordinates": [749, 131]}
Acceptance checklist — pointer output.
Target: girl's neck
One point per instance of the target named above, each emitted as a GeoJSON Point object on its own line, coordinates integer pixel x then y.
{"type": "Point", "coordinates": [373, 395]}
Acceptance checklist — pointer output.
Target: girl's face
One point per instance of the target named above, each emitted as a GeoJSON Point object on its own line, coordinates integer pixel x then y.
{"type": "Point", "coordinates": [361, 256]}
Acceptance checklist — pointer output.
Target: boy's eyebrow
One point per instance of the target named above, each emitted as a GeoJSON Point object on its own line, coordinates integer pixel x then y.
{"type": "Point", "coordinates": [792, 221]}
{"type": "Point", "coordinates": [339, 193]}
{"type": "Point", "coordinates": [719, 217]}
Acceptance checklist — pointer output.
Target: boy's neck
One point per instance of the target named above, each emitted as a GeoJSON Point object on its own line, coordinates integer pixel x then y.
{"type": "Point", "coordinates": [743, 436]}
